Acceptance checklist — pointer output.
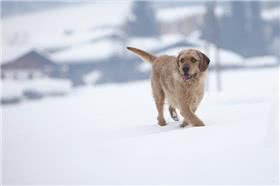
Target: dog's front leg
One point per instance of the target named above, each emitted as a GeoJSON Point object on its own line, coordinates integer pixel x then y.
{"type": "Point", "coordinates": [190, 117]}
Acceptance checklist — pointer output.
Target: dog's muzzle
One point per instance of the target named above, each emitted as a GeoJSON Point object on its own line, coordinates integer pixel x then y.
{"type": "Point", "coordinates": [187, 76]}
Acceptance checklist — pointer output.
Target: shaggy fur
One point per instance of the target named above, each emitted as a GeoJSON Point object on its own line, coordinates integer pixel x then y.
{"type": "Point", "coordinates": [179, 80]}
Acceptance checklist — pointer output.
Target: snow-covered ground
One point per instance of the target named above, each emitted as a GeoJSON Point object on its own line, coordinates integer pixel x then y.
{"type": "Point", "coordinates": [15, 88]}
{"type": "Point", "coordinates": [108, 135]}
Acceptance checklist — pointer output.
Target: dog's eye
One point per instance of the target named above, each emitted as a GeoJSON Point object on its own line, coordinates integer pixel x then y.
{"type": "Point", "coordinates": [193, 60]}
{"type": "Point", "coordinates": [182, 60]}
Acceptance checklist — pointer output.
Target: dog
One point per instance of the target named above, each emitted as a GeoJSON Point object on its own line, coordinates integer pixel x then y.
{"type": "Point", "coordinates": [180, 80]}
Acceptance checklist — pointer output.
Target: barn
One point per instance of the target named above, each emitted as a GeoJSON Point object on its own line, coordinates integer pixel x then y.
{"type": "Point", "coordinates": [28, 66]}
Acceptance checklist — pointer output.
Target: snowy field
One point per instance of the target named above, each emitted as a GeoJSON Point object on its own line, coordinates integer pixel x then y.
{"type": "Point", "coordinates": [108, 135]}
{"type": "Point", "coordinates": [16, 88]}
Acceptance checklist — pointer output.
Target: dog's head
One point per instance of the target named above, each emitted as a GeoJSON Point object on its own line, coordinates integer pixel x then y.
{"type": "Point", "coordinates": [191, 63]}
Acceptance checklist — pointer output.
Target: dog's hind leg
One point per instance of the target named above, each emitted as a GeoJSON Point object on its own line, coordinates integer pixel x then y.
{"type": "Point", "coordinates": [159, 100]}
{"type": "Point", "coordinates": [173, 113]}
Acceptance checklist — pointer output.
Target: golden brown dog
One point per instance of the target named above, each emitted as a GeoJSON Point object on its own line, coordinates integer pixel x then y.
{"type": "Point", "coordinates": [180, 80]}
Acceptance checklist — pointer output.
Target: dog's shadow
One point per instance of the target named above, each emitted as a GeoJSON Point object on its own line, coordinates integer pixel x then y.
{"type": "Point", "coordinates": [145, 130]}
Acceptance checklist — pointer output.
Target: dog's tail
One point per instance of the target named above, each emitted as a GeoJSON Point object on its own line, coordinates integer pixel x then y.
{"type": "Point", "coordinates": [144, 55]}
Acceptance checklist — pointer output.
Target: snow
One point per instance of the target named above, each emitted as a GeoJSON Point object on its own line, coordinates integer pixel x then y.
{"type": "Point", "coordinates": [271, 13]}
{"type": "Point", "coordinates": [179, 13]}
{"type": "Point", "coordinates": [261, 61]}
{"type": "Point", "coordinates": [108, 135]}
{"type": "Point", "coordinates": [15, 88]}
{"type": "Point", "coordinates": [64, 19]}
{"type": "Point", "coordinates": [92, 77]}
{"type": "Point", "coordinates": [144, 67]}
{"type": "Point", "coordinates": [156, 43]}
{"type": "Point", "coordinates": [175, 13]}
{"type": "Point", "coordinates": [82, 20]}
{"type": "Point", "coordinates": [147, 43]}
{"type": "Point", "coordinates": [226, 57]}
{"type": "Point", "coordinates": [95, 51]}
{"type": "Point", "coordinates": [11, 53]}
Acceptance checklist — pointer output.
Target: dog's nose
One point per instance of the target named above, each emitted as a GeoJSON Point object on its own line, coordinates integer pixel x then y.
{"type": "Point", "coordinates": [186, 69]}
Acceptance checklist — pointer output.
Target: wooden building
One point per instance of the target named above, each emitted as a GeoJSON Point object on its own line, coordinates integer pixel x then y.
{"type": "Point", "coordinates": [28, 66]}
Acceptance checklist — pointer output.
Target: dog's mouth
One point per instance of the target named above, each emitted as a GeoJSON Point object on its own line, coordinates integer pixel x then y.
{"type": "Point", "coordinates": [187, 77]}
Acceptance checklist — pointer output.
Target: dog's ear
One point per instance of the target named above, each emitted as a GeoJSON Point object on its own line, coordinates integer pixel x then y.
{"type": "Point", "coordinates": [178, 59]}
{"type": "Point", "coordinates": [203, 65]}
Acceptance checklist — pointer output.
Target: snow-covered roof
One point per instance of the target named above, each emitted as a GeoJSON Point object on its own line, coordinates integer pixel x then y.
{"type": "Point", "coordinates": [47, 29]}
{"type": "Point", "coordinates": [93, 51]}
{"type": "Point", "coordinates": [92, 77]}
{"type": "Point", "coordinates": [156, 43]}
{"type": "Point", "coordinates": [177, 13]}
{"type": "Point", "coordinates": [11, 53]}
{"type": "Point", "coordinates": [261, 61]}
{"type": "Point", "coordinates": [107, 47]}
{"type": "Point", "coordinates": [32, 59]}
{"type": "Point", "coordinates": [271, 13]}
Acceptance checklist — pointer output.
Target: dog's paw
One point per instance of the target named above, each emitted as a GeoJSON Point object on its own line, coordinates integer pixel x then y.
{"type": "Point", "coordinates": [199, 125]}
{"type": "Point", "coordinates": [184, 124]}
{"type": "Point", "coordinates": [162, 122]}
